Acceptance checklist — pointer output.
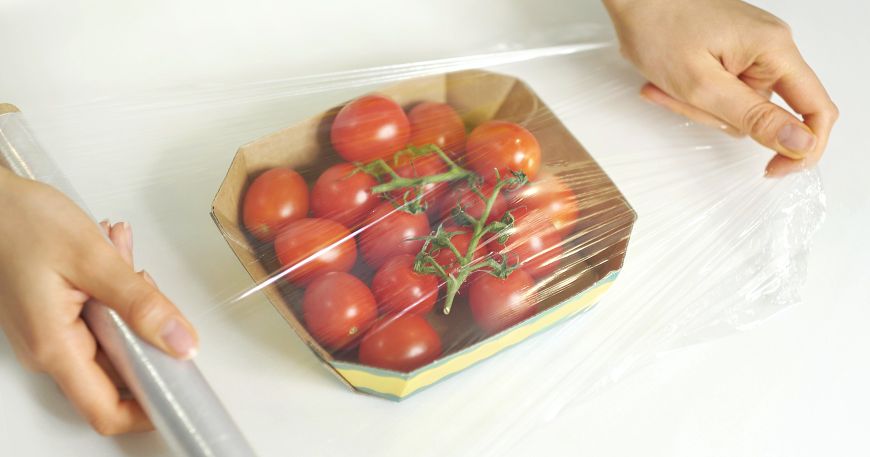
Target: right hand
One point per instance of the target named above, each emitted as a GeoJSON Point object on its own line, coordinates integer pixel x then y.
{"type": "Point", "coordinates": [53, 258]}
{"type": "Point", "coordinates": [717, 62]}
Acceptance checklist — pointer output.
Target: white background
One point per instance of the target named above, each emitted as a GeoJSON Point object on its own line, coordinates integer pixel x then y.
{"type": "Point", "coordinates": [795, 386]}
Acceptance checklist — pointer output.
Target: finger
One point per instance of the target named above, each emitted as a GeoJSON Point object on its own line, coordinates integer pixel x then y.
{"type": "Point", "coordinates": [95, 397]}
{"type": "Point", "coordinates": [105, 364]}
{"type": "Point", "coordinates": [780, 166]}
{"type": "Point", "coordinates": [105, 226]}
{"type": "Point", "coordinates": [655, 95]}
{"type": "Point", "coordinates": [805, 94]}
{"type": "Point", "coordinates": [762, 87]}
{"type": "Point", "coordinates": [726, 96]}
{"type": "Point", "coordinates": [104, 275]}
{"type": "Point", "coordinates": [122, 237]}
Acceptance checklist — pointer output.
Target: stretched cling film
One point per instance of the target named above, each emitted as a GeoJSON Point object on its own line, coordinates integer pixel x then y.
{"type": "Point", "coordinates": [674, 221]}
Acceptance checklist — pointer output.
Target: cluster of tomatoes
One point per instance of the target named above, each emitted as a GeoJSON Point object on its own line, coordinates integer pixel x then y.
{"type": "Point", "coordinates": [431, 210]}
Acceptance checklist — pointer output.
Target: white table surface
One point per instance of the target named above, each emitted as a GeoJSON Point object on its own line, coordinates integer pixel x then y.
{"type": "Point", "coordinates": [795, 385]}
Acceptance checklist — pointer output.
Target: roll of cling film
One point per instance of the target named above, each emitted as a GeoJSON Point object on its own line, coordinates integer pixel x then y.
{"type": "Point", "coordinates": [175, 395]}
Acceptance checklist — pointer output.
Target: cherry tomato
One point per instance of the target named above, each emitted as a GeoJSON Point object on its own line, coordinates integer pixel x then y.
{"type": "Point", "coordinates": [497, 304]}
{"type": "Point", "coordinates": [502, 146]}
{"type": "Point", "coordinates": [389, 232]}
{"type": "Point", "coordinates": [338, 308]}
{"type": "Point", "coordinates": [400, 343]}
{"type": "Point", "coordinates": [369, 128]}
{"type": "Point", "coordinates": [447, 259]}
{"type": "Point", "coordinates": [275, 198]}
{"type": "Point", "coordinates": [343, 194]}
{"type": "Point", "coordinates": [417, 167]}
{"type": "Point", "coordinates": [400, 289]}
{"type": "Point", "coordinates": [313, 247]}
{"type": "Point", "coordinates": [534, 242]}
{"type": "Point", "coordinates": [550, 195]}
{"type": "Point", "coordinates": [438, 124]}
{"type": "Point", "coordinates": [472, 203]}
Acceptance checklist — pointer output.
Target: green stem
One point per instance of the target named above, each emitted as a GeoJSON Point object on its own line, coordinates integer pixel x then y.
{"type": "Point", "coordinates": [454, 172]}
{"type": "Point", "coordinates": [478, 230]}
{"type": "Point", "coordinates": [491, 263]}
{"type": "Point", "coordinates": [453, 249]}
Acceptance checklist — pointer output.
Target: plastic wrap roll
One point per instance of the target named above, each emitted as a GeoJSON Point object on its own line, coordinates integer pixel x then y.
{"type": "Point", "coordinates": [173, 392]}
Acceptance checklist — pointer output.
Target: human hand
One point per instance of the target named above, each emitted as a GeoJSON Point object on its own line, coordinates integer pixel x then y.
{"type": "Point", "coordinates": [717, 62]}
{"type": "Point", "coordinates": [53, 258]}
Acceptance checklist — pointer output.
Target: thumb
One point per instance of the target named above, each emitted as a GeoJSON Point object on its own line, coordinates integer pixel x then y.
{"type": "Point", "coordinates": [106, 276]}
{"type": "Point", "coordinates": [727, 97]}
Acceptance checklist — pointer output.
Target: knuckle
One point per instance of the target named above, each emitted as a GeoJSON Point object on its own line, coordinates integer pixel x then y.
{"type": "Point", "coordinates": [835, 111]}
{"type": "Point", "coordinates": [759, 119]}
{"type": "Point", "coordinates": [771, 27]}
{"type": "Point", "coordinates": [779, 29]}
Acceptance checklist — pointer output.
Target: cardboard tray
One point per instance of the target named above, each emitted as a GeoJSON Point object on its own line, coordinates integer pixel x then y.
{"type": "Point", "coordinates": [594, 254]}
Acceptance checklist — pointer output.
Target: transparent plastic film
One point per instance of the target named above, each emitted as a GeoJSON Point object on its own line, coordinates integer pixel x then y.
{"type": "Point", "coordinates": [412, 223]}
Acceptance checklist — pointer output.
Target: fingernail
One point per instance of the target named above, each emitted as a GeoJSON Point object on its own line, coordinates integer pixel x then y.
{"type": "Point", "coordinates": [775, 173]}
{"type": "Point", "coordinates": [796, 139]}
{"type": "Point", "coordinates": [731, 130]}
{"type": "Point", "coordinates": [179, 339]}
{"type": "Point", "coordinates": [648, 99]}
{"type": "Point", "coordinates": [128, 235]}
{"type": "Point", "coordinates": [148, 278]}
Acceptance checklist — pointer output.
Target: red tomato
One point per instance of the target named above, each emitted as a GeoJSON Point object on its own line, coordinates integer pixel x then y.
{"type": "Point", "coordinates": [400, 343]}
{"type": "Point", "coordinates": [502, 146]}
{"type": "Point", "coordinates": [472, 203]}
{"type": "Point", "coordinates": [497, 304]}
{"type": "Point", "coordinates": [550, 195]}
{"type": "Point", "coordinates": [534, 242]}
{"type": "Point", "coordinates": [275, 198]}
{"type": "Point", "coordinates": [417, 167]}
{"type": "Point", "coordinates": [338, 308]}
{"type": "Point", "coordinates": [312, 247]}
{"type": "Point", "coordinates": [389, 232]}
{"type": "Point", "coordinates": [400, 289]}
{"type": "Point", "coordinates": [344, 195]}
{"type": "Point", "coordinates": [438, 124]}
{"type": "Point", "coordinates": [369, 128]}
